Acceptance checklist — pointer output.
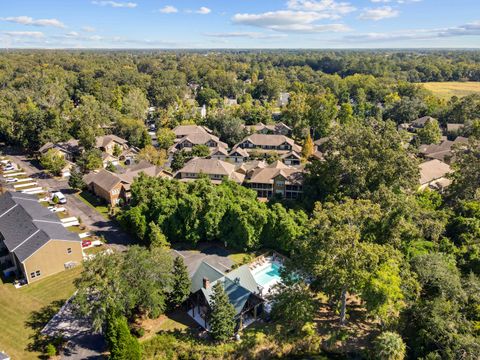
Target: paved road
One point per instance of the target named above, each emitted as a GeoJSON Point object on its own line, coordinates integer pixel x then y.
{"type": "Point", "coordinates": [113, 234]}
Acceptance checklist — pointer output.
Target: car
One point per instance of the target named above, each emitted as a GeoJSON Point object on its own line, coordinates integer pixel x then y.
{"type": "Point", "coordinates": [11, 180]}
{"type": "Point", "coordinates": [86, 243]}
{"type": "Point", "coordinates": [8, 168]}
{"type": "Point", "coordinates": [61, 198]}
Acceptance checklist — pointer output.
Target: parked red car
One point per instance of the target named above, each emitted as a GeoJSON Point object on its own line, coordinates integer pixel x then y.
{"type": "Point", "coordinates": [86, 243]}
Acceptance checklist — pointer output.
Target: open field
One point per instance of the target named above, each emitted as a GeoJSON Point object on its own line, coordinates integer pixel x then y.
{"type": "Point", "coordinates": [446, 90]}
{"type": "Point", "coordinates": [18, 305]}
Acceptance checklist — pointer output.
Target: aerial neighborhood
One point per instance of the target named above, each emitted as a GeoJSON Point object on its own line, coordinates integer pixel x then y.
{"type": "Point", "coordinates": [238, 204]}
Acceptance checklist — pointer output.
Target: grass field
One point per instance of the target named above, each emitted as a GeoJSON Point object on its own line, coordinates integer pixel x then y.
{"type": "Point", "coordinates": [446, 90]}
{"type": "Point", "coordinates": [18, 305]}
{"type": "Point", "coordinates": [89, 199]}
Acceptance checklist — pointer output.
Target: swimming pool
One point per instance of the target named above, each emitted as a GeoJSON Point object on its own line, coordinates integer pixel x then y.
{"type": "Point", "coordinates": [268, 275]}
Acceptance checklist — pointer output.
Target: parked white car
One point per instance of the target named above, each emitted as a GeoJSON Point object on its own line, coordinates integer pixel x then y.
{"type": "Point", "coordinates": [11, 180]}
{"type": "Point", "coordinates": [61, 198]}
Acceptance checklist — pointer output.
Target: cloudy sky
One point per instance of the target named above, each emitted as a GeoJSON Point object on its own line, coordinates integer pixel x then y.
{"type": "Point", "coordinates": [239, 24]}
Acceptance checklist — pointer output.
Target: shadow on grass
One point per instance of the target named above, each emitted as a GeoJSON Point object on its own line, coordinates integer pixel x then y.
{"type": "Point", "coordinates": [37, 321]}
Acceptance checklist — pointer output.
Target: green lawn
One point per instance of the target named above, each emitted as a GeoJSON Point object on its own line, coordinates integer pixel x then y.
{"type": "Point", "coordinates": [18, 305]}
{"type": "Point", "coordinates": [89, 199]}
{"type": "Point", "coordinates": [242, 258]}
{"type": "Point", "coordinates": [446, 90]}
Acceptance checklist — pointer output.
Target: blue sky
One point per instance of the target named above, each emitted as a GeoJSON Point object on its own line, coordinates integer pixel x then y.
{"type": "Point", "coordinates": [239, 24]}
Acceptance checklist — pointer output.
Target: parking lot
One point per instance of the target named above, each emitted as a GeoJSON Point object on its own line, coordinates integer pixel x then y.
{"type": "Point", "coordinates": [94, 222]}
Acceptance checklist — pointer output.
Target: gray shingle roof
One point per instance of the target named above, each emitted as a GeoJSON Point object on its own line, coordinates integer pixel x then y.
{"type": "Point", "coordinates": [207, 271]}
{"type": "Point", "coordinates": [26, 226]}
{"type": "Point", "coordinates": [238, 284]}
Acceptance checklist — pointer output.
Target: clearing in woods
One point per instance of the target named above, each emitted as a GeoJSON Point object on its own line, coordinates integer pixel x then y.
{"type": "Point", "coordinates": [446, 90]}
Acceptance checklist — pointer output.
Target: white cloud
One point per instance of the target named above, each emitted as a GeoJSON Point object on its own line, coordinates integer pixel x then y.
{"type": "Point", "coordinates": [116, 4]}
{"type": "Point", "coordinates": [470, 29]}
{"type": "Point", "coordinates": [88, 29]}
{"type": "Point", "coordinates": [335, 9]}
{"type": "Point", "coordinates": [168, 9]}
{"type": "Point", "coordinates": [27, 34]}
{"type": "Point", "coordinates": [203, 11]}
{"type": "Point", "coordinates": [249, 35]}
{"type": "Point", "coordinates": [27, 20]}
{"type": "Point", "coordinates": [380, 13]}
{"type": "Point", "coordinates": [289, 21]}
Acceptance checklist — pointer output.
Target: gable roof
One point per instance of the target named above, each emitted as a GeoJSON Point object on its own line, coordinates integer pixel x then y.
{"type": "Point", "coordinates": [268, 139]}
{"type": "Point", "coordinates": [204, 271]}
{"type": "Point", "coordinates": [239, 284]}
{"type": "Point", "coordinates": [104, 179]}
{"type": "Point", "coordinates": [422, 121]}
{"type": "Point", "coordinates": [26, 225]}
{"type": "Point", "coordinates": [211, 167]}
{"type": "Point", "coordinates": [184, 130]}
{"type": "Point", "coordinates": [102, 141]}
{"type": "Point", "coordinates": [201, 139]}
{"type": "Point", "coordinates": [107, 180]}
{"type": "Point", "coordinates": [268, 174]}
{"type": "Point", "coordinates": [433, 170]}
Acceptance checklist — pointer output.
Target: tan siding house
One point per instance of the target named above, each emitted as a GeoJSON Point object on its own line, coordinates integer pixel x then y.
{"type": "Point", "coordinates": [33, 242]}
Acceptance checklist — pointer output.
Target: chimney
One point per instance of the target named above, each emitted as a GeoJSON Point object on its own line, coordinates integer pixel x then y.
{"type": "Point", "coordinates": [206, 283]}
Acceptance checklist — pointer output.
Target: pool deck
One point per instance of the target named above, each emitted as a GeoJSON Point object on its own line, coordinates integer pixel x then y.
{"type": "Point", "coordinates": [268, 286]}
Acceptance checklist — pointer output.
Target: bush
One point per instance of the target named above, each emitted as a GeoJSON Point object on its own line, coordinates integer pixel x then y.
{"type": "Point", "coordinates": [50, 350]}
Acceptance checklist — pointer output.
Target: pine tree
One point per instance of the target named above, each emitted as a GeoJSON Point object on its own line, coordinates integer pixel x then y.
{"type": "Point", "coordinates": [222, 322]}
{"type": "Point", "coordinates": [122, 345]}
{"type": "Point", "coordinates": [181, 283]}
{"type": "Point", "coordinates": [389, 346]}
{"type": "Point", "coordinates": [75, 181]}
{"type": "Point", "coordinates": [308, 147]}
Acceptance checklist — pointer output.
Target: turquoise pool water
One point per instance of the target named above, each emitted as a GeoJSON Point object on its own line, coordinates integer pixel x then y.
{"type": "Point", "coordinates": [267, 274]}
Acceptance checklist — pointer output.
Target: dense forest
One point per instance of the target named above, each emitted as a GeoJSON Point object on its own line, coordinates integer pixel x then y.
{"type": "Point", "coordinates": [362, 232]}
{"type": "Point", "coordinates": [51, 96]}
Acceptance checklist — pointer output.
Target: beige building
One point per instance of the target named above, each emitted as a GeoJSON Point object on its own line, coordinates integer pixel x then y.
{"type": "Point", "coordinates": [185, 130]}
{"type": "Point", "coordinates": [272, 129]}
{"type": "Point", "coordinates": [108, 143]}
{"type": "Point", "coordinates": [33, 242]}
{"type": "Point", "coordinates": [112, 187]}
{"type": "Point", "coordinates": [433, 174]}
{"type": "Point", "coordinates": [267, 143]}
{"type": "Point", "coordinates": [276, 179]}
{"type": "Point", "coordinates": [215, 169]}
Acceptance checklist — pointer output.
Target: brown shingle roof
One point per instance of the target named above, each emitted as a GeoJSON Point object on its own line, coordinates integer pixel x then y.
{"type": "Point", "coordinates": [266, 175]}
{"type": "Point", "coordinates": [185, 130]}
{"type": "Point", "coordinates": [433, 170]}
{"type": "Point", "coordinates": [102, 141]}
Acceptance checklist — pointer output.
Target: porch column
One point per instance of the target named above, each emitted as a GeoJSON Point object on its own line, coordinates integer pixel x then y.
{"type": "Point", "coordinates": [241, 322]}
{"type": "Point", "coordinates": [255, 312]}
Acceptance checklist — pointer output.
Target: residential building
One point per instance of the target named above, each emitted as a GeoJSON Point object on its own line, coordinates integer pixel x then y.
{"type": "Point", "coordinates": [442, 151]}
{"type": "Point", "coordinates": [276, 179]}
{"type": "Point", "coordinates": [189, 141]}
{"type": "Point", "coordinates": [283, 99]}
{"type": "Point", "coordinates": [185, 130]}
{"type": "Point", "coordinates": [69, 149]}
{"type": "Point", "coordinates": [266, 143]}
{"type": "Point", "coordinates": [272, 129]}
{"type": "Point", "coordinates": [238, 155]}
{"type": "Point", "coordinates": [220, 153]}
{"type": "Point", "coordinates": [115, 188]}
{"type": "Point", "coordinates": [240, 286]}
{"type": "Point", "coordinates": [420, 123]}
{"type": "Point", "coordinates": [108, 144]}
{"type": "Point", "coordinates": [215, 169]}
{"type": "Point", "coordinates": [454, 130]}
{"type": "Point", "coordinates": [33, 241]}
{"type": "Point", "coordinates": [433, 174]}
{"type": "Point", "coordinates": [230, 102]}
{"type": "Point", "coordinates": [292, 158]}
